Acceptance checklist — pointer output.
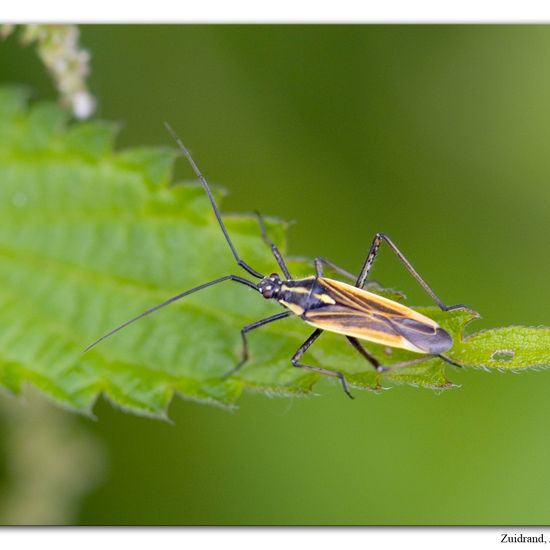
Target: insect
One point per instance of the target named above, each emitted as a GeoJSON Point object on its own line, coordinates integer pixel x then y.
{"type": "Point", "coordinates": [327, 304]}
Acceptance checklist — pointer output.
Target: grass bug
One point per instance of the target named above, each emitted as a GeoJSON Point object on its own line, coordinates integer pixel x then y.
{"type": "Point", "coordinates": [327, 304]}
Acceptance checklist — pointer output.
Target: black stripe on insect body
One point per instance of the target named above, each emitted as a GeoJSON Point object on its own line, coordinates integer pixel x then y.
{"type": "Point", "coordinates": [327, 304]}
{"type": "Point", "coordinates": [360, 300]}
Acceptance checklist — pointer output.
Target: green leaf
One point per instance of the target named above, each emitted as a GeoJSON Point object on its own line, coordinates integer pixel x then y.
{"type": "Point", "coordinates": [506, 349]}
{"type": "Point", "coordinates": [90, 237]}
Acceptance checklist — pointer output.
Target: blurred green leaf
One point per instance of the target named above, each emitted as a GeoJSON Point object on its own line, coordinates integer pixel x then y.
{"type": "Point", "coordinates": [90, 237]}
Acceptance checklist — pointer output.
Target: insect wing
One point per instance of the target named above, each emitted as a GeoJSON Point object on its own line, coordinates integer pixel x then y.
{"type": "Point", "coordinates": [425, 337]}
{"type": "Point", "coordinates": [367, 316]}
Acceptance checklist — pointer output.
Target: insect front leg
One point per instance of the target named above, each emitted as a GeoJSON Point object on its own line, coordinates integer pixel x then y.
{"type": "Point", "coordinates": [300, 352]}
{"type": "Point", "coordinates": [377, 241]}
{"type": "Point", "coordinates": [274, 249]}
{"type": "Point", "coordinates": [248, 328]}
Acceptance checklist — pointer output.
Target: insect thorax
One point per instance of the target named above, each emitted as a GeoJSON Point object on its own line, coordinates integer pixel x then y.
{"type": "Point", "coordinates": [295, 291]}
{"type": "Point", "coordinates": [302, 295]}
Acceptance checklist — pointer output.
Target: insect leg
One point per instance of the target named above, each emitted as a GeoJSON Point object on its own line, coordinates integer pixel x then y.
{"type": "Point", "coordinates": [449, 360]}
{"type": "Point", "coordinates": [381, 368]}
{"type": "Point", "coordinates": [377, 241]}
{"type": "Point", "coordinates": [320, 262]}
{"type": "Point", "coordinates": [248, 328]}
{"type": "Point", "coordinates": [303, 348]}
{"type": "Point", "coordinates": [403, 364]}
{"type": "Point", "coordinates": [370, 358]}
{"type": "Point", "coordinates": [274, 248]}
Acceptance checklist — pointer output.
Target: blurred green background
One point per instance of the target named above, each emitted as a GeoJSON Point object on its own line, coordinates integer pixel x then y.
{"type": "Point", "coordinates": [437, 135]}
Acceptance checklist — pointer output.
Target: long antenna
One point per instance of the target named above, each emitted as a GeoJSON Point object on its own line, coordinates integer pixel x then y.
{"type": "Point", "coordinates": [206, 187]}
{"type": "Point", "coordinates": [170, 301]}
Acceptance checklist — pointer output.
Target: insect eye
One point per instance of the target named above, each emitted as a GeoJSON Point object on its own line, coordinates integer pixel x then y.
{"type": "Point", "coordinates": [274, 276]}
{"type": "Point", "coordinates": [267, 292]}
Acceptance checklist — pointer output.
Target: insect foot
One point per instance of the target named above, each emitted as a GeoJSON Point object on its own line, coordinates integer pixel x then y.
{"type": "Point", "coordinates": [345, 386]}
{"type": "Point", "coordinates": [458, 306]}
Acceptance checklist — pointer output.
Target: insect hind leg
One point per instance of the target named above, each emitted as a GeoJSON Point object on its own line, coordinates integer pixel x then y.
{"type": "Point", "coordinates": [449, 360]}
{"type": "Point", "coordinates": [403, 364]}
{"type": "Point", "coordinates": [396, 366]}
{"type": "Point", "coordinates": [371, 256]}
{"type": "Point", "coordinates": [300, 352]}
